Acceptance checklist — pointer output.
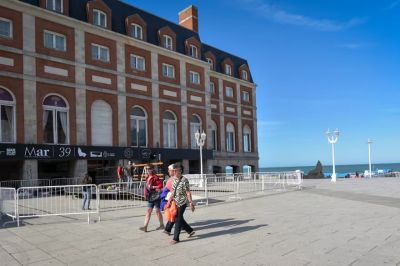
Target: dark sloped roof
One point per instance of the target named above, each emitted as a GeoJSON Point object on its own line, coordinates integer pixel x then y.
{"type": "Point", "coordinates": [121, 10]}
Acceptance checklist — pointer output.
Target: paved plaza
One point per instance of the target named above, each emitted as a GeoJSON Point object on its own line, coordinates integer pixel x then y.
{"type": "Point", "coordinates": [351, 222]}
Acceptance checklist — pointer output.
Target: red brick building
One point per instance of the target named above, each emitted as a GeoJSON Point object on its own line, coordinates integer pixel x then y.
{"type": "Point", "coordinates": [87, 84]}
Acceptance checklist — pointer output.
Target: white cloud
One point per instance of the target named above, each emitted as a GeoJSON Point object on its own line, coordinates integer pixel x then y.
{"type": "Point", "coordinates": [281, 16]}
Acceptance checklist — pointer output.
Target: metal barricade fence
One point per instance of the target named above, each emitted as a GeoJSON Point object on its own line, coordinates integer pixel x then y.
{"type": "Point", "coordinates": [25, 183]}
{"type": "Point", "coordinates": [8, 204]}
{"type": "Point", "coordinates": [65, 181]}
{"type": "Point", "coordinates": [116, 196]}
{"type": "Point", "coordinates": [54, 201]}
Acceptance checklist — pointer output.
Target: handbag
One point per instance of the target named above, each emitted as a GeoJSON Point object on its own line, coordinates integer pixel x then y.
{"type": "Point", "coordinates": [171, 210]}
{"type": "Point", "coordinates": [154, 195]}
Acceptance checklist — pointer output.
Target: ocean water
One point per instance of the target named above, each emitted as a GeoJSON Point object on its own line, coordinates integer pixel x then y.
{"type": "Point", "coordinates": [341, 170]}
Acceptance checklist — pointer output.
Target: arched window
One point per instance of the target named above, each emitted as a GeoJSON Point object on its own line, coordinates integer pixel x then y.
{"type": "Point", "coordinates": [7, 113]}
{"type": "Point", "coordinates": [246, 139]}
{"type": "Point", "coordinates": [214, 138]}
{"type": "Point", "coordinates": [102, 133]}
{"type": "Point", "coordinates": [169, 130]}
{"type": "Point", "coordinates": [55, 120]}
{"type": "Point", "coordinates": [138, 127]}
{"type": "Point", "coordinates": [195, 125]}
{"type": "Point", "coordinates": [230, 137]}
{"type": "Point", "coordinates": [137, 31]}
{"type": "Point", "coordinates": [99, 18]}
{"type": "Point", "coordinates": [168, 42]}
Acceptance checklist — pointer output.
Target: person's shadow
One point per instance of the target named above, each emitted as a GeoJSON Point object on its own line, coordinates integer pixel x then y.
{"type": "Point", "coordinates": [234, 225]}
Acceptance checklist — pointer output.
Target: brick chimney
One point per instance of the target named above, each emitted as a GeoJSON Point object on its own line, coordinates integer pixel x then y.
{"type": "Point", "coordinates": [188, 18]}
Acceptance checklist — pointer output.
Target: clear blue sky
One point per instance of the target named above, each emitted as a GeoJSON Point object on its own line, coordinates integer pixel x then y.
{"type": "Point", "coordinates": [318, 64]}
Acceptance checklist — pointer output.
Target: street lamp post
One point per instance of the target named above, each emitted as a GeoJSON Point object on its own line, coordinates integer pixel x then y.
{"type": "Point", "coordinates": [332, 138]}
{"type": "Point", "coordinates": [369, 157]}
{"type": "Point", "coordinates": [200, 140]}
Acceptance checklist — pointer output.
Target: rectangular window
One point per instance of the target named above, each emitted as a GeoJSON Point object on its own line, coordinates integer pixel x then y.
{"type": "Point", "coordinates": [230, 142]}
{"type": "Point", "coordinates": [7, 123]}
{"type": "Point", "coordinates": [168, 71]}
{"type": "Point", "coordinates": [214, 139]}
{"type": "Point", "coordinates": [168, 42]}
{"type": "Point", "coordinates": [228, 70]}
{"type": "Point", "coordinates": [55, 5]}
{"type": "Point", "coordinates": [137, 32]}
{"type": "Point", "coordinates": [229, 92]}
{"type": "Point", "coordinates": [99, 18]}
{"type": "Point", "coordinates": [210, 61]}
{"type": "Point", "coordinates": [244, 74]}
{"type": "Point", "coordinates": [54, 41]}
{"type": "Point", "coordinates": [245, 96]}
{"type": "Point", "coordinates": [6, 28]}
{"type": "Point", "coordinates": [193, 51]}
{"type": "Point", "coordinates": [212, 88]}
{"type": "Point", "coordinates": [137, 62]}
{"type": "Point", "coordinates": [100, 53]}
{"type": "Point", "coordinates": [246, 143]}
{"type": "Point", "coordinates": [194, 77]}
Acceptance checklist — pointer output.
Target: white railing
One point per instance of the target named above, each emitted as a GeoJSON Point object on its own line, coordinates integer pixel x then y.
{"type": "Point", "coordinates": [8, 205]}
{"type": "Point", "coordinates": [25, 183]}
{"type": "Point", "coordinates": [54, 201]}
{"type": "Point", "coordinates": [116, 196]}
{"type": "Point", "coordinates": [38, 201]}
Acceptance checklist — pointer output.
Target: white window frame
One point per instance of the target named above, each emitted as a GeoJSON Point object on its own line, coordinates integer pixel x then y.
{"type": "Point", "coordinates": [193, 51]}
{"type": "Point", "coordinates": [246, 133]}
{"type": "Point", "coordinates": [168, 42]}
{"type": "Point", "coordinates": [54, 43]}
{"type": "Point", "coordinates": [245, 96]}
{"type": "Point", "coordinates": [228, 70]}
{"type": "Point", "coordinates": [54, 6]}
{"type": "Point", "coordinates": [212, 87]}
{"type": "Point", "coordinates": [135, 34]}
{"type": "Point", "coordinates": [228, 91]}
{"type": "Point", "coordinates": [55, 110]}
{"type": "Point", "coordinates": [99, 47]}
{"type": "Point", "coordinates": [244, 75]}
{"type": "Point", "coordinates": [167, 123]}
{"type": "Point", "coordinates": [194, 77]}
{"type": "Point", "coordinates": [135, 59]}
{"type": "Point", "coordinates": [211, 62]}
{"type": "Point", "coordinates": [11, 28]}
{"type": "Point", "coordinates": [169, 71]}
{"type": "Point", "coordinates": [13, 105]}
{"type": "Point", "coordinates": [137, 119]}
{"type": "Point", "coordinates": [228, 135]}
{"type": "Point", "coordinates": [97, 13]}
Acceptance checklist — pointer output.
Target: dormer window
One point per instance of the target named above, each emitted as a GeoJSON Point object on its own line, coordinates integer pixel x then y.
{"type": "Point", "coordinates": [193, 51]}
{"type": "Point", "coordinates": [137, 31]}
{"type": "Point", "coordinates": [244, 74]}
{"type": "Point", "coordinates": [167, 42]}
{"type": "Point", "coordinates": [99, 18]}
{"type": "Point", "coordinates": [228, 70]}
{"type": "Point", "coordinates": [210, 61]}
{"type": "Point", "coordinates": [55, 5]}
{"type": "Point", "coordinates": [6, 28]}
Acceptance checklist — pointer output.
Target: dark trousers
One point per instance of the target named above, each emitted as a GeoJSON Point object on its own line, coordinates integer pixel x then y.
{"type": "Point", "coordinates": [180, 223]}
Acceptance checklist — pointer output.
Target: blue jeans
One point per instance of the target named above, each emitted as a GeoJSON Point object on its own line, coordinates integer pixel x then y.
{"type": "Point", "coordinates": [87, 195]}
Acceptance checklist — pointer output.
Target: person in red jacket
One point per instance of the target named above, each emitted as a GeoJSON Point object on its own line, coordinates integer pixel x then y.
{"type": "Point", "coordinates": [152, 193]}
{"type": "Point", "coordinates": [120, 173]}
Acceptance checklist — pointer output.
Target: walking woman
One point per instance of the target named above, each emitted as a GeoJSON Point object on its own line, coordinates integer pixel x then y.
{"type": "Point", "coordinates": [152, 192]}
{"type": "Point", "coordinates": [87, 192]}
{"type": "Point", "coordinates": [183, 196]}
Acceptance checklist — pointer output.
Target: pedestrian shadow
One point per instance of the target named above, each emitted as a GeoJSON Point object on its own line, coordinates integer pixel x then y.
{"type": "Point", "coordinates": [230, 231]}
{"type": "Point", "coordinates": [208, 224]}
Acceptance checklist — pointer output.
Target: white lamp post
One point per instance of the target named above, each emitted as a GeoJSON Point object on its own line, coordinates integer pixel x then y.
{"type": "Point", "coordinates": [369, 157]}
{"type": "Point", "coordinates": [200, 140]}
{"type": "Point", "coordinates": [332, 138]}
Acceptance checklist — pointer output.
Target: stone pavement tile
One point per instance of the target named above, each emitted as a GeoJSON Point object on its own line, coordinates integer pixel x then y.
{"type": "Point", "coordinates": [16, 245]}
{"type": "Point", "coordinates": [374, 259]}
{"type": "Point", "coordinates": [90, 261]}
{"type": "Point", "coordinates": [50, 262]}
{"type": "Point", "coordinates": [31, 256]}
{"type": "Point", "coordinates": [137, 260]}
{"type": "Point", "coordinates": [53, 245]}
{"type": "Point", "coordinates": [6, 258]}
{"type": "Point", "coordinates": [67, 255]}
